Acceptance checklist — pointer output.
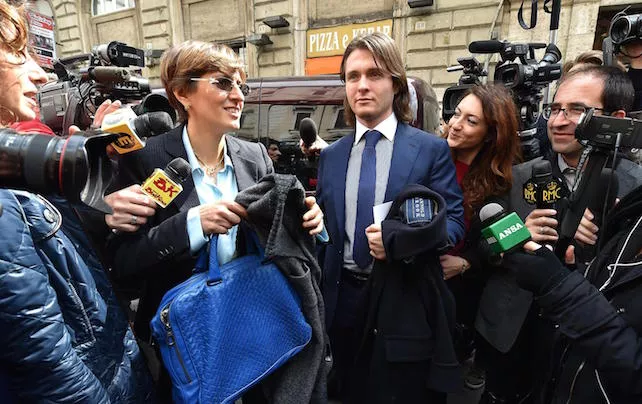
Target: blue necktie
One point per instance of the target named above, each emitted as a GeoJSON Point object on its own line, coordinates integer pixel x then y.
{"type": "Point", "coordinates": [365, 199]}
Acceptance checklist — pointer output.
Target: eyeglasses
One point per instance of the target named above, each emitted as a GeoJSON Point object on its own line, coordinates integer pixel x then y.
{"type": "Point", "coordinates": [571, 113]}
{"type": "Point", "coordinates": [224, 83]}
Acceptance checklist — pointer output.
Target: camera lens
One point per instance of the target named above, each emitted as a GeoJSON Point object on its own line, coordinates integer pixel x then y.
{"type": "Point", "coordinates": [75, 167]}
{"type": "Point", "coordinates": [40, 162]}
{"type": "Point", "coordinates": [620, 29]}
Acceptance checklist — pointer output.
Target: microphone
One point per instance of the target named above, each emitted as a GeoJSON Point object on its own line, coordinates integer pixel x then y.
{"type": "Point", "coordinates": [107, 74]}
{"type": "Point", "coordinates": [133, 129]}
{"type": "Point", "coordinates": [308, 131]}
{"type": "Point", "coordinates": [542, 189]}
{"type": "Point", "coordinates": [502, 231]}
{"type": "Point", "coordinates": [163, 186]}
{"type": "Point", "coordinates": [153, 123]}
{"type": "Point", "coordinates": [489, 46]}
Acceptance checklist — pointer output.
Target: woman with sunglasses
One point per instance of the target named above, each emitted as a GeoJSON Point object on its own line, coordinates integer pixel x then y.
{"type": "Point", "coordinates": [205, 83]}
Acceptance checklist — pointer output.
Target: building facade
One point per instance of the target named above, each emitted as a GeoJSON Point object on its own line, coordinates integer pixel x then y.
{"type": "Point", "coordinates": [309, 36]}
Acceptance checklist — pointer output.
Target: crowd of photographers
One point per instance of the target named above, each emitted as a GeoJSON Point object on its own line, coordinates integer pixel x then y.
{"type": "Point", "coordinates": [416, 307]}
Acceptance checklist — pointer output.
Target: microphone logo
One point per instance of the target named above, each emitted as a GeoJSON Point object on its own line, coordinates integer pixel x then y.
{"type": "Point", "coordinates": [544, 194]}
{"type": "Point", "coordinates": [161, 188]}
{"type": "Point", "coordinates": [120, 122]}
{"type": "Point", "coordinates": [529, 193]}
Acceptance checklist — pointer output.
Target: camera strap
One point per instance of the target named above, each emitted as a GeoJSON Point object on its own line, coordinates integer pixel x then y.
{"type": "Point", "coordinates": [520, 13]}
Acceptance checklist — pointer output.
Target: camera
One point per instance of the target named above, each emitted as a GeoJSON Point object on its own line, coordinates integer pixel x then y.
{"type": "Point", "coordinates": [113, 72]}
{"type": "Point", "coordinates": [76, 167]}
{"type": "Point", "coordinates": [602, 131]}
{"type": "Point", "coordinates": [472, 71]}
{"type": "Point", "coordinates": [625, 28]}
{"type": "Point", "coordinates": [526, 80]}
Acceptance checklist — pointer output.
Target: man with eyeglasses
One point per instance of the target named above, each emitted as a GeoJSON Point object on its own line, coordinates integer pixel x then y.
{"type": "Point", "coordinates": [507, 320]}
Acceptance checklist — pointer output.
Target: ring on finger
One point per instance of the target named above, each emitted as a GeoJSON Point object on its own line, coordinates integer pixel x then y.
{"type": "Point", "coordinates": [542, 230]}
{"type": "Point", "coordinates": [134, 220]}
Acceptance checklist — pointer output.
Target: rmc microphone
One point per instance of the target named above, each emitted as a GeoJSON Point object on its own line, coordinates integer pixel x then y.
{"type": "Point", "coordinates": [502, 231]}
{"type": "Point", "coordinates": [163, 186]}
{"type": "Point", "coordinates": [542, 189]}
{"type": "Point", "coordinates": [308, 131]}
{"type": "Point", "coordinates": [133, 129]}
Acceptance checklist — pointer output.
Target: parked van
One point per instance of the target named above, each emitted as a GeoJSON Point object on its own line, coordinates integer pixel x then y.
{"type": "Point", "coordinates": [276, 106]}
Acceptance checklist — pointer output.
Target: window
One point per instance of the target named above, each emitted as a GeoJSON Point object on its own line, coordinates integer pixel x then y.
{"type": "Point", "coordinates": [340, 122]}
{"type": "Point", "coordinates": [100, 7]}
{"type": "Point", "coordinates": [301, 115]}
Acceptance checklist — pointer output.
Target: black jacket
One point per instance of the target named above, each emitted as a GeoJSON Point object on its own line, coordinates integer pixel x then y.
{"type": "Point", "coordinates": [407, 346]}
{"type": "Point", "coordinates": [599, 319]}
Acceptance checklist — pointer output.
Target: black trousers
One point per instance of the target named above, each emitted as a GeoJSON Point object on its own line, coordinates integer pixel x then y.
{"type": "Point", "coordinates": [345, 335]}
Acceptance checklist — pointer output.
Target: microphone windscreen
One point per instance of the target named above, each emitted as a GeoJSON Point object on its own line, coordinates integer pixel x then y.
{"type": "Point", "coordinates": [490, 210]}
{"type": "Point", "coordinates": [489, 46]}
{"type": "Point", "coordinates": [308, 131]}
{"type": "Point", "coordinates": [153, 123]}
{"type": "Point", "coordinates": [542, 168]}
{"type": "Point", "coordinates": [179, 169]}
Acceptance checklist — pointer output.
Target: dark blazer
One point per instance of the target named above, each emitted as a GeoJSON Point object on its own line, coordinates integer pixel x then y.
{"type": "Point", "coordinates": [159, 253]}
{"type": "Point", "coordinates": [417, 158]}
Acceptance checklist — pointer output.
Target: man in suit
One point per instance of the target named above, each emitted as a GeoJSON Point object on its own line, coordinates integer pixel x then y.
{"type": "Point", "coordinates": [506, 319]}
{"type": "Point", "coordinates": [367, 168]}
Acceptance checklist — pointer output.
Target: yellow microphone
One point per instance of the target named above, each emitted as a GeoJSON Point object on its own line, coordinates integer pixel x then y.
{"type": "Point", "coordinates": [121, 122]}
{"type": "Point", "coordinates": [163, 186]}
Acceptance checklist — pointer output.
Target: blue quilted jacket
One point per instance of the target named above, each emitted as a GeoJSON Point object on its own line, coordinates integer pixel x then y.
{"type": "Point", "coordinates": [64, 338]}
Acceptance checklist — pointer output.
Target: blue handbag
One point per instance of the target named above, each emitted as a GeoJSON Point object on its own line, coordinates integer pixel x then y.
{"type": "Point", "coordinates": [226, 328]}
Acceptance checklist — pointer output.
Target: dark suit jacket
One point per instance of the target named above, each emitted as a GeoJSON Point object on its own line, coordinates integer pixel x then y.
{"type": "Point", "coordinates": [159, 253]}
{"type": "Point", "coordinates": [417, 158]}
{"type": "Point", "coordinates": [504, 305]}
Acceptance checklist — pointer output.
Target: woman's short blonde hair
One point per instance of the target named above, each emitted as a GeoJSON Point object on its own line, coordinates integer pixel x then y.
{"type": "Point", "coordinates": [192, 59]}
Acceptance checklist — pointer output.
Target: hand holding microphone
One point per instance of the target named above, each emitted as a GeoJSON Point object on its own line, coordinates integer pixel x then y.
{"type": "Point", "coordinates": [544, 191]}
{"type": "Point", "coordinates": [131, 209]}
{"type": "Point", "coordinates": [134, 129]}
{"type": "Point", "coordinates": [310, 144]}
{"type": "Point", "coordinates": [134, 204]}
{"type": "Point", "coordinates": [503, 231]}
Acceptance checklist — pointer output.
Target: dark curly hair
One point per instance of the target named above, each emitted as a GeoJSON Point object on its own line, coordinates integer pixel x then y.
{"type": "Point", "coordinates": [490, 173]}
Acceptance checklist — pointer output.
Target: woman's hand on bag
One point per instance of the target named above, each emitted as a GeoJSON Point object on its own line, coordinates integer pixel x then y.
{"type": "Point", "coordinates": [219, 217]}
{"type": "Point", "coordinates": [313, 218]}
{"type": "Point", "coordinates": [453, 265]}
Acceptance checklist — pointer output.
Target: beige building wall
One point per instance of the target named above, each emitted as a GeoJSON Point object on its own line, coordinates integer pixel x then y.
{"type": "Point", "coordinates": [431, 38]}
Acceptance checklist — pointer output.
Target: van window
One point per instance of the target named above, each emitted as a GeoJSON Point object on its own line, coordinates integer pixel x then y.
{"type": "Point", "coordinates": [301, 116]}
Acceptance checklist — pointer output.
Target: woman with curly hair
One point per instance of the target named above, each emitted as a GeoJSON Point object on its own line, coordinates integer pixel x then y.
{"type": "Point", "coordinates": [482, 135]}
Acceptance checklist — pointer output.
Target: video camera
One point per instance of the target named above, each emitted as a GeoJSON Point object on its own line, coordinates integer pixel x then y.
{"type": "Point", "coordinates": [76, 167]}
{"type": "Point", "coordinates": [472, 71]}
{"type": "Point", "coordinates": [526, 82]}
{"type": "Point", "coordinates": [602, 131]}
{"type": "Point", "coordinates": [113, 72]}
{"type": "Point", "coordinates": [596, 187]}
{"type": "Point", "coordinates": [625, 28]}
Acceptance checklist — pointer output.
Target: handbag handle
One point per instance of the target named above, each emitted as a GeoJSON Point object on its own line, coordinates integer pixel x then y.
{"type": "Point", "coordinates": [208, 259]}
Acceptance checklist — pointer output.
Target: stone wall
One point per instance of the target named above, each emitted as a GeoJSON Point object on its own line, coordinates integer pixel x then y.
{"type": "Point", "coordinates": [431, 38]}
